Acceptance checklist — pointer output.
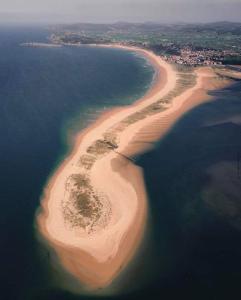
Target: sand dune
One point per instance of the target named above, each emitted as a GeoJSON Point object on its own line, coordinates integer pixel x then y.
{"type": "Point", "coordinates": [94, 208]}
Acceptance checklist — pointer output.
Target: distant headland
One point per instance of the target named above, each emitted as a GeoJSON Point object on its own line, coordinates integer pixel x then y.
{"type": "Point", "coordinates": [40, 45]}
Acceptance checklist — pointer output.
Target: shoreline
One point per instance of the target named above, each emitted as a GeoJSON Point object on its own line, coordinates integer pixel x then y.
{"type": "Point", "coordinates": [95, 269]}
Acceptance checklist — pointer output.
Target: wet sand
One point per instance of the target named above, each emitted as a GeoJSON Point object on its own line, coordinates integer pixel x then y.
{"type": "Point", "coordinates": [95, 258]}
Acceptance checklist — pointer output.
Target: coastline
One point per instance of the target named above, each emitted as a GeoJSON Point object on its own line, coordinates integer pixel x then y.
{"type": "Point", "coordinates": [90, 267]}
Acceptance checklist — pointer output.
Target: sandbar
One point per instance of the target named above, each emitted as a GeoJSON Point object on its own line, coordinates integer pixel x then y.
{"type": "Point", "coordinates": [94, 208]}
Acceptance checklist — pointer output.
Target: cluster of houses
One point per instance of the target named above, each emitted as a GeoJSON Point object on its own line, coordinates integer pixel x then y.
{"type": "Point", "coordinates": [207, 57]}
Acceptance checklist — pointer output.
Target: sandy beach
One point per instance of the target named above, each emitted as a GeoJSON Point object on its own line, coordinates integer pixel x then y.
{"type": "Point", "coordinates": [94, 208]}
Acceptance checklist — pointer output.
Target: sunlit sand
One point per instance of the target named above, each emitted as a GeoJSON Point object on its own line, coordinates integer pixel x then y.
{"type": "Point", "coordinates": [94, 208]}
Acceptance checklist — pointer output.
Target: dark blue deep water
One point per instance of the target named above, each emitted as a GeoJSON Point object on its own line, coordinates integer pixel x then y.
{"type": "Point", "coordinates": [194, 245]}
{"type": "Point", "coordinates": [197, 235]}
{"type": "Point", "coordinates": [44, 93]}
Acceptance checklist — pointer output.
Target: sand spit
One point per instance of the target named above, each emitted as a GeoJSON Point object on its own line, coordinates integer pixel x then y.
{"type": "Point", "coordinates": [94, 208]}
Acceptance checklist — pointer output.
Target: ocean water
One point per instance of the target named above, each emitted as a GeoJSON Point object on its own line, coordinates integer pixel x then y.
{"type": "Point", "coordinates": [194, 185]}
{"type": "Point", "coordinates": [46, 95]}
{"type": "Point", "coordinates": [192, 176]}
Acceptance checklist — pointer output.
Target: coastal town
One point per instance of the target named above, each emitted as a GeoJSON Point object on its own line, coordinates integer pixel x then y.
{"type": "Point", "coordinates": [192, 57]}
{"type": "Point", "coordinates": [179, 48]}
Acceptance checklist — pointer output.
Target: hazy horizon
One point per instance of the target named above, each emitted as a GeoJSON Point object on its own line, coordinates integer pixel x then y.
{"type": "Point", "coordinates": [109, 11]}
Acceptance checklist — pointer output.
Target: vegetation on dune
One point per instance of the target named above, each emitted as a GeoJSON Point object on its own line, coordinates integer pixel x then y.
{"type": "Point", "coordinates": [86, 161]}
{"type": "Point", "coordinates": [82, 207]}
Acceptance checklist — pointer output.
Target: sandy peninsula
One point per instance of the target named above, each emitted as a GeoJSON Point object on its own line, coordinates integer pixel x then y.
{"type": "Point", "coordinates": [94, 208]}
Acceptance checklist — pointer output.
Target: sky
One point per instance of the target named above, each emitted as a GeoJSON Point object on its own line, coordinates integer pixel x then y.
{"type": "Point", "coordinates": [101, 11]}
